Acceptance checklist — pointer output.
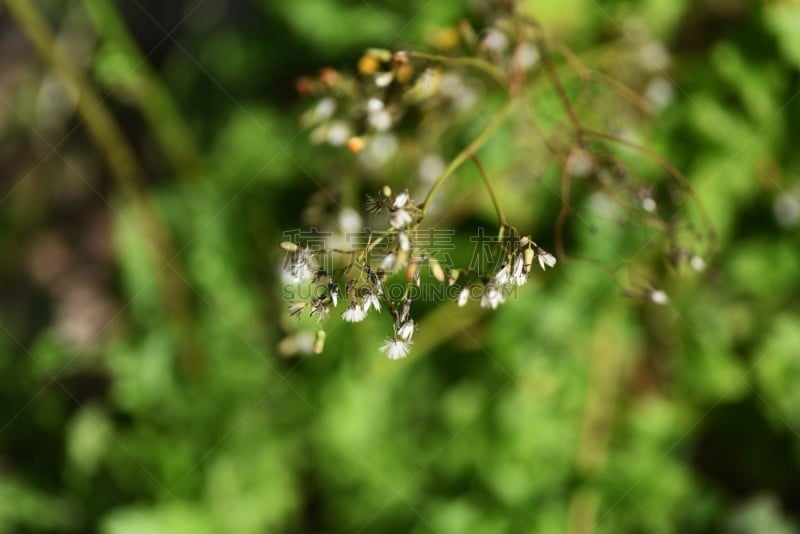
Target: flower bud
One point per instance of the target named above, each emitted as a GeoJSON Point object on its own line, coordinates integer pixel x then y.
{"type": "Point", "coordinates": [319, 342]}
{"type": "Point", "coordinates": [528, 256]}
{"type": "Point", "coordinates": [453, 277]}
{"type": "Point", "coordinates": [355, 144]}
{"type": "Point", "coordinates": [436, 270]}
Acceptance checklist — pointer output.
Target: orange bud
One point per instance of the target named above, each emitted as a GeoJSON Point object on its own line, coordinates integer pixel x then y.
{"type": "Point", "coordinates": [368, 64]}
{"type": "Point", "coordinates": [404, 73]}
{"type": "Point", "coordinates": [329, 76]}
{"type": "Point", "coordinates": [355, 144]}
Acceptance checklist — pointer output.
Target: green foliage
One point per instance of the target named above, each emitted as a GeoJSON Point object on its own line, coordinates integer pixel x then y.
{"type": "Point", "coordinates": [573, 403]}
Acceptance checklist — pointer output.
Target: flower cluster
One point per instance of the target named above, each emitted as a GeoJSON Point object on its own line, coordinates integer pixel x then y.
{"type": "Point", "coordinates": [399, 253]}
{"type": "Point", "coordinates": [411, 99]}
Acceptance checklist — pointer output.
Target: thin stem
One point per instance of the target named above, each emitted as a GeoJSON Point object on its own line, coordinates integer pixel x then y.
{"type": "Point", "coordinates": [566, 187]}
{"type": "Point", "coordinates": [667, 166]}
{"type": "Point", "coordinates": [467, 152]}
{"type": "Point", "coordinates": [588, 73]}
{"type": "Point", "coordinates": [150, 95]}
{"type": "Point", "coordinates": [500, 215]}
{"type": "Point", "coordinates": [495, 73]}
{"type": "Point", "coordinates": [128, 174]}
{"type": "Point", "coordinates": [552, 73]}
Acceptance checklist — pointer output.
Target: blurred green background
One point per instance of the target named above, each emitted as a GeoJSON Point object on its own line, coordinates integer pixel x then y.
{"type": "Point", "coordinates": [145, 378]}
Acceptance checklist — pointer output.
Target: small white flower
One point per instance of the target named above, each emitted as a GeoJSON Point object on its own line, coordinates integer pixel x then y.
{"type": "Point", "coordinates": [374, 105]}
{"type": "Point", "coordinates": [492, 297]}
{"type": "Point", "coordinates": [384, 79]}
{"type": "Point", "coordinates": [401, 200]}
{"type": "Point", "coordinates": [545, 259]}
{"type": "Point", "coordinates": [463, 297]}
{"type": "Point", "coordinates": [354, 313]}
{"type": "Point", "coordinates": [406, 330]}
{"type": "Point", "coordinates": [338, 133]}
{"type": "Point", "coordinates": [405, 242]}
{"type": "Point", "coordinates": [371, 301]}
{"type": "Point", "coordinates": [527, 56]}
{"type": "Point", "coordinates": [333, 289]}
{"type": "Point", "coordinates": [388, 261]}
{"type": "Point", "coordinates": [659, 297]}
{"type": "Point", "coordinates": [302, 268]}
{"type": "Point", "coordinates": [519, 274]}
{"type": "Point", "coordinates": [325, 109]}
{"type": "Point", "coordinates": [649, 205]}
{"type": "Point", "coordinates": [350, 221]}
{"type": "Point", "coordinates": [396, 349]}
{"type": "Point", "coordinates": [502, 277]}
{"type": "Point", "coordinates": [495, 40]}
{"type": "Point", "coordinates": [400, 219]}
{"type": "Point", "coordinates": [380, 120]}
{"type": "Point", "coordinates": [698, 264]}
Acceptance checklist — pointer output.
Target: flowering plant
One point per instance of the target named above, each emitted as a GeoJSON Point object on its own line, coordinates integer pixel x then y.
{"type": "Point", "coordinates": [394, 93]}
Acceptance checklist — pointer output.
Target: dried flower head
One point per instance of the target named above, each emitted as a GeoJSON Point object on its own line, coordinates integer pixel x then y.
{"type": "Point", "coordinates": [395, 348]}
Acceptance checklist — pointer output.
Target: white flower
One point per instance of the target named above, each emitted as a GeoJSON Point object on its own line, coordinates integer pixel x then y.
{"type": "Point", "coordinates": [302, 268]}
{"type": "Point", "coordinates": [545, 259]}
{"type": "Point", "coordinates": [350, 221]}
{"type": "Point", "coordinates": [333, 290]}
{"type": "Point", "coordinates": [501, 278]}
{"type": "Point", "coordinates": [519, 273]}
{"type": "Point", "coordinates": [371, 301]}
{"type": "Point", "coordinates": [495, 40]}
{"type": "Point", "coordinates": [374, 105]}
{"type": "Point", "coordinates": [527, 56]}
{"type": "Point", "coordinates": [492, 297]}
{"type": "Point", "coordinates": [380, 120]}
{"type": "Point", "coordinates": [463, 297]}
{"type": "Point", "coordinates": [325, 109]}
{"type": "Point", "coordinates": [659, 297]}
{"type": "Point", "coordinates": [406, 330]}
{"type": "Point", "coordinates": [396, 349]}
{"type": "Point", "coordinates": [698, 264]}
{"type": "Point", "coordinates": [354, 313]}
{"type": "Point", "coordinates": [338, 133]}
{"type": "Point", "coordinates": [401, 200]}
{"type": "Point", "coordinates": [405, 242]}
{"type": "Point", "coordinates": [388, 261]}
{"type": "Point", "coordinates": [384, 79]}
{"type": "Point", "coordinates": [649, 205]}
{"type": "Point", "coordinates": [400, 219]}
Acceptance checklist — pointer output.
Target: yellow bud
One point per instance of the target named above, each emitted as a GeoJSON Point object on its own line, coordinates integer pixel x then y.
{"type": "Point", "coordinates": [436, 270]}
{"type": "Point", "coordinates": [289, 246]}
{"type": "Point", "coordinates": [447, 38]}
{"type": "Point", "coordinates": [319, 342]}
{"type": "Point", "coordinates": [528, 256]}
{"type": "Point", "coordinates": [368, 65]}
